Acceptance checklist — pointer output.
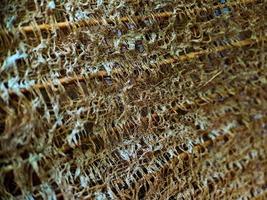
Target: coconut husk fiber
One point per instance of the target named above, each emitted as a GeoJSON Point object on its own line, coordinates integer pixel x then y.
{"type": "Point", "coordinates": [130, 99]}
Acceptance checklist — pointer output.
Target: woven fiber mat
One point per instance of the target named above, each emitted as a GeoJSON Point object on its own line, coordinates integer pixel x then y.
{"type": "Point", "coordinates": [133, 99]}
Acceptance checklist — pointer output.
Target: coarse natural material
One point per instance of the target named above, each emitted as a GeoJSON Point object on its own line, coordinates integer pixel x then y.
{"type": "Point", "coordinates": [133, 99]}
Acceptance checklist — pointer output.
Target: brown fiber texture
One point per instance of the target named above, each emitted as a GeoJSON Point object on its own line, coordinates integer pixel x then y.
{"type": "Point", "coordinates": [132, 99]}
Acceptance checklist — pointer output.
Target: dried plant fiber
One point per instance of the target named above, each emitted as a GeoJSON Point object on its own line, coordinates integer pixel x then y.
{"type": "Point", "coordinates": [133, 99]}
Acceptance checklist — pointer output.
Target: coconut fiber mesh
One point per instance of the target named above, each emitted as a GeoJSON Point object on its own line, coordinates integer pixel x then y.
{"type": "Point", "coordinates": [131, 99]}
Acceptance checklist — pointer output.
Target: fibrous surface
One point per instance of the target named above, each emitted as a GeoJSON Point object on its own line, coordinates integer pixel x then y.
{"type": "Point", "coordinates": [130, 99]}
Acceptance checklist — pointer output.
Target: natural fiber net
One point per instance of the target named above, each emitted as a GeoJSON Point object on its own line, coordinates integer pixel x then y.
{"type": "Point", "coordinates": [130, 99]}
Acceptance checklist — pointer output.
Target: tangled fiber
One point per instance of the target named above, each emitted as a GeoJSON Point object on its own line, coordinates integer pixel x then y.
{"type": "Point", "coordinates": [131, 99]}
